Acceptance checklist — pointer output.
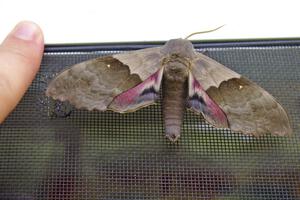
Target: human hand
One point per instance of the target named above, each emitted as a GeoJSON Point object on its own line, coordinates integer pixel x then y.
{"type": "Point", "coordinates": [20, 57]}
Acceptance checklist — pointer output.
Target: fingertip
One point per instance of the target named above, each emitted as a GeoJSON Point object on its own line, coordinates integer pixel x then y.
{"type": "Point", "coordinates": [27, 30]}
{"type": "Point", "coordinates": [25, 42]}
{"type": "Point", "coordinates": [20, 57]}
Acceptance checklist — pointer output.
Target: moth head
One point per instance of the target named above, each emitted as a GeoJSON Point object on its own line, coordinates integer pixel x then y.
{"type": "Point", "coordinates": [181, 47]}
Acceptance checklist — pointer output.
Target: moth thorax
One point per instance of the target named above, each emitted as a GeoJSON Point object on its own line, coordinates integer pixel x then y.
{"type": "Point", "coordinates": [176, 71]}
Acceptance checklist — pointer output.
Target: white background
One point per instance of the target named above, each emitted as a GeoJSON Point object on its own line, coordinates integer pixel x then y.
{"type": "Point", "coordinates": [138, 20]}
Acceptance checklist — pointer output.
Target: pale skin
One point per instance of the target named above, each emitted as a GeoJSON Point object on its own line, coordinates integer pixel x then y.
{"type": "Point", "coordinates": [20, 58]}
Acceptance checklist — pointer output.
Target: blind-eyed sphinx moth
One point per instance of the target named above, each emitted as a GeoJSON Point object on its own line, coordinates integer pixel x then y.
{"type": "Point", "coordinates": [188, 79]}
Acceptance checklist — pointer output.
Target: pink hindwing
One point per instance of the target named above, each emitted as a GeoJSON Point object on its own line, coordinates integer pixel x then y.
{"type": "Point", "coordinates": [142, 95]}
{"type": "Point", "coordinates": [200, 102]}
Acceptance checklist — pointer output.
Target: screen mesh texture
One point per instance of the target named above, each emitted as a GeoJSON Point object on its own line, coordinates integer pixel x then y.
{"type": "Point", "coordinates": [49, 150]}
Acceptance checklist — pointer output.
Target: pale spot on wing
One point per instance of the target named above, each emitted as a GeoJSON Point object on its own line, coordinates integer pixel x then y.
{"type": "Point", "coordinates": [92, 84]}
{"type": "Point", "coordinates": [250, 109]}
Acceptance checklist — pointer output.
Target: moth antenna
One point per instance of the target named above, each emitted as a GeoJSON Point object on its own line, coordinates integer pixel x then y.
{"type": "Point", "coordinates": [208, 31]}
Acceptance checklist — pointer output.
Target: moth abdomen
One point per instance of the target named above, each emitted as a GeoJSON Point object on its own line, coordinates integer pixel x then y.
{"type": "Point", "coordinates": [174, 103]}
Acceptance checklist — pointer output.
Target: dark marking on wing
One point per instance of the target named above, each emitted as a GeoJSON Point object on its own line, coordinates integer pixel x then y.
{"type": "Point", "coordinates": [147, 91]}
{"type": "Point", "coordinates": [198, 98]}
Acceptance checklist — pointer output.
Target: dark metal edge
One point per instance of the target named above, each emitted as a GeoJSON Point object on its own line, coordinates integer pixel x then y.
{"type": "Point", "coordinates": [123, 46]}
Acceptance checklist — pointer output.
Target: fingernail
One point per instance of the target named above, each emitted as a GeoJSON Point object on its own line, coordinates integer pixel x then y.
{"type": "Point", "coordinates": [25, 31]}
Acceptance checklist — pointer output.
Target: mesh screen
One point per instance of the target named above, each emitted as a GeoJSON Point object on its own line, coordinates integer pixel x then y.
{"type": "Point", "coordinates": [49, 150]}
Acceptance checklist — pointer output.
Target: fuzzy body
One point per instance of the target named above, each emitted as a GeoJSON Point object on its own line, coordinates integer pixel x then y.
{"type": "Point", "coordinates": [175, 92]}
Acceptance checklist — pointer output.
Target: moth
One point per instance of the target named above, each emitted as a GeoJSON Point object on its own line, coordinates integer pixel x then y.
{"type": "Point", "coordinates": [188, 79]}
